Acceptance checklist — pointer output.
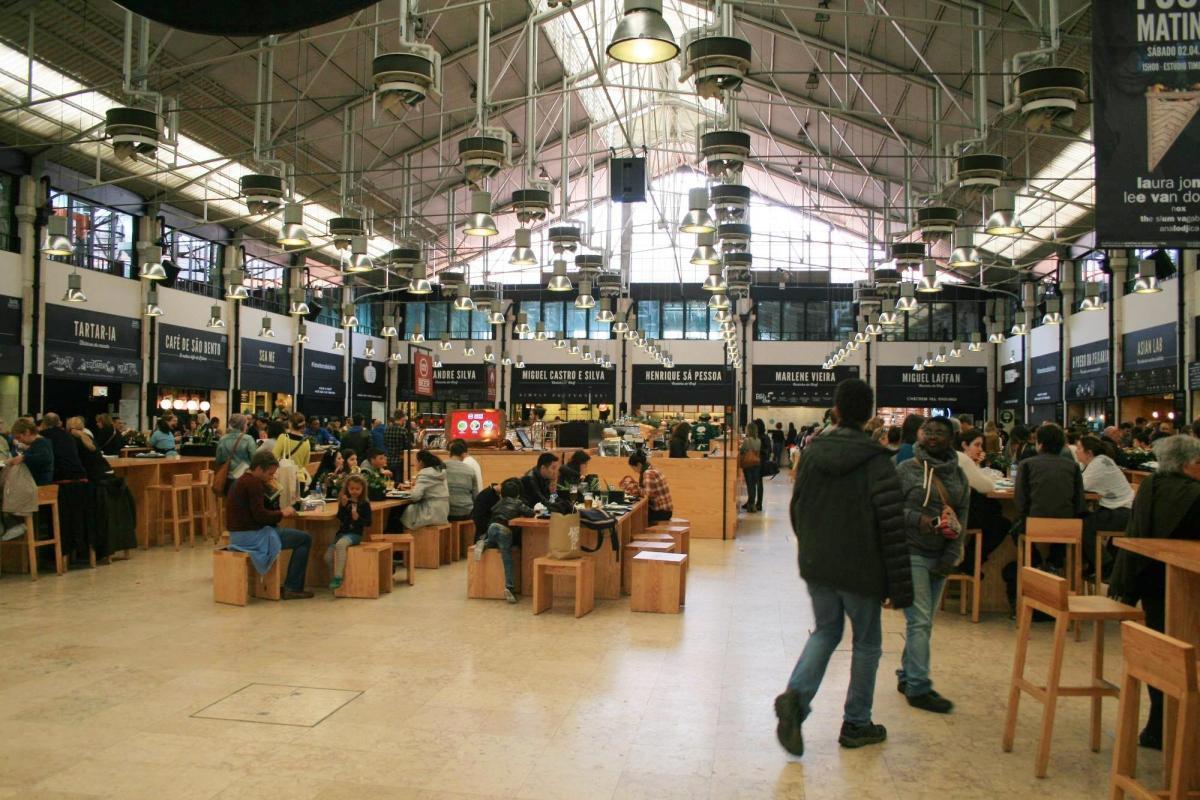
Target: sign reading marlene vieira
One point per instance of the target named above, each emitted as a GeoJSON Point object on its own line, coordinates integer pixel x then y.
{"type": "Point", "coordinates": [1146, 84]}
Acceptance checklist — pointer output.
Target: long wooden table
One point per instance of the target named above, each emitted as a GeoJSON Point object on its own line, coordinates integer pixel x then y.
{"type": "Point", "coordinates": [1182, 558]}
{"type": "Point", "coordinates": [322, 525]}
{"type": "Point", "coordinates": [140, 473]}
{"type": "Point", "coordinates": [535, 543]}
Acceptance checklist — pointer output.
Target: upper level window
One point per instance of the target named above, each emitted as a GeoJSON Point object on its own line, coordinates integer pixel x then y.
{"type": "Point", "coordinates": [198, 261]}
{"type": "Point", "coordinates": [103, 237]}
{"type": "Point", "coordinates": [265, 284]}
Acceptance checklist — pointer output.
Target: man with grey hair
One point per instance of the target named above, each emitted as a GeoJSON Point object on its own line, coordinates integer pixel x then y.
{"type": "Point", "coordinates": [1166, 506]}
{"type": "Point", "coordinates": [237, 447]}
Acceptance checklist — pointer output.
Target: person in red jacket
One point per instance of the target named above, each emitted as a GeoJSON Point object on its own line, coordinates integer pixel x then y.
{"type": "Point", "coordinates": [252, 515]}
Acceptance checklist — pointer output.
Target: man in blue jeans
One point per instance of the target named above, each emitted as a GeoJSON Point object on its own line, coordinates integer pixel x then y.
{"type": "Point", "coordinates": [847, 514]}
{"type": "Point", "coordinates": [253, 518]}
{"type": "Point", "coordinates": [936, 500]}
{"type": "Point", "coordinates": [500, 535]}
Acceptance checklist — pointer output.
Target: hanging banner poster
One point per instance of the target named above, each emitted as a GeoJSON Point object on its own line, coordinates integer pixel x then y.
{"type": "Point", "coordinates": [1146, 85]}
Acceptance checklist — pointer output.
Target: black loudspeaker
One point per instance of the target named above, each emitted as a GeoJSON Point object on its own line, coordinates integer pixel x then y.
{"type": "Point", "coordinates": [627, 180]}
{"type": "Point", "coordinates": [172, 271]}
{"type": "Point", "coordinates": [314, 309]}
{"type": "Point", "coordinates": [743, 412]}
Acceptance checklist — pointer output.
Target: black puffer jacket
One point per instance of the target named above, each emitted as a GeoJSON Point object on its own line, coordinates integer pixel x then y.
{"type": "Point", "coordinates": [848, 514]}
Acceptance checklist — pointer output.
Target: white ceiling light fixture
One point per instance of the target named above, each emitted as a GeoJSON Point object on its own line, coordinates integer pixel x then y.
{"type": "Point", "coordinates": [444, 342]}
{"type": "Point", "coordinates": [265, 330]}
{"type": "Point", "coordinates": [1093, 300]}
{"type": "Point", "coordinates": [584, 299]}
{"type": "Point", "coordinates": [292, 234]}
{"type": "Point", "coordinates": [965, 255]}
{"type": "Point", "coordinates": [396, 357]}
{"type": "Point", "coordinates": [929, 361]}
{"type": "Point", "coordinates": [152, 267]}
{"type": "Point", "coordinates": [573, 347]}
{"type": "Point", "coordinates": [874, 326]}
{"type": "Point", "coordinates": [718, 300]}
{"type": "Point", "coordinates": [339, 341]}
{"type": "Point", "coordinates": [415, 335]}
{"type": "Point", "coordinates": [539, 332]}
{"type": "Point", "coordinates": [705, 254]}
{"type": "Point", "coordinates": [302, 333]}
{"type": "Point", "coordinates": [908, 298]}
{"type": "Point", "coordinates": [604, 314]}
{"type": "Point", "coordinates": [887, 313]}
{"type": "Point", "coordinates": [1147, 279]}
{"type": "Point", "coordinates": [976, 343]}
{"type": "Point", "coordinates": [57, 239]}
{"type": "Point", "coordinates": [388, 331]}
{"type": "Point", "coordinates": [643, 36]}
{"type": "Point", "coordinates": [996, 334]}
{"type": "Point", "coordinates": [587, 353]}
{"type": "Point", "coordinates": [298, 306]}
{"type": "Point", "coordinates": [520, 362]}
{"type": "Point", "coordinates": [462, 300]}
{"type": "Point", "coordinates": [468, 349]}
{"type": "Point", "coordinates": [480, 222]}
{"type": "Point", "coordinates": [620, 326]}
{"type": "Point", "coordinates": [1003, 220]}
{"type": "Point", "coordinates": [523, 255]}
{"type": "Point", "coordinates": [918, 365]}
{"type": "Point", "coordinates": [559, 282]}
{"type": "Point", "coordinates": [697, 220]}
{"type": "Point", "coordinates": [1019, 328]}
{"type": "Point", "coordinates": [521, 328]}
{"type": "Point", "coordinates": [929, 277]}
{"type": "Point", "coordinates": [234, 289]}
{"type": "Point", "coordinates": [715, 282]}
{"type": "Point", "coordinates": [506, 360]}
{"type": "Point", "coordinates": [153, 309]}
{"type": "Point", "coordinates": [941, 355]}
{"type": "Point", "coordinates": [214, 318]}
{"type": "Point", "coordinates": [560, 341]}
{"type": "Point", "coordinates": [420, 284]}
{"type": "Point", "coordinates": [359, 261]}
{"type": "Point", "coordinates": [369, 348]}
{"type": "Point", "coordinates": [349, 319]}
{"type": "Point", "coordinates": [437, 360]}
{"type": "Point", "coordinates": [956, 349]}
{"type": "Point", "coordinates": [1053, 315]}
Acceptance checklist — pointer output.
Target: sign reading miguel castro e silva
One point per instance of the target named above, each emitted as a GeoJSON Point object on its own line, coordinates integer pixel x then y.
{"type": "Point", "coordinates": [559, 383]}
{"type": "Point", "coordinates": [192, 358]}
{"type": "Point", "coordinates": [961, 389]}
{"type": "Point", "coordinates": [88, 345]}
{"type": "Point", "coordinates": [266, 367]}
{"type": "Point", "coordinates": [688, 384]}
{"type": "Point", "coordinates": [1146, 85]}
{"type": "Point", "coordinates": [799, 385]}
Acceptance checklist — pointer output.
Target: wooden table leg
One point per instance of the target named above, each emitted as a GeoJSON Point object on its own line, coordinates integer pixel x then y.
{"type": "Point", "coordinates": [1183, 623]}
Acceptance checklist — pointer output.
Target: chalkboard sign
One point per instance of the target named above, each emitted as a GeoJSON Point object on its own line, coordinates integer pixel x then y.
{"type": "Point", "coordinates": [799, 385]}
{"type": "Point", "coordinates": [86, 345]}
{"type": "Point", "coordinates": [192, 358]}
{"type": "Point", "coordinates": [1163, 380]}
{"type": "Point", "coordinates": [266, 367]}
{"type": "Point", "coordinates": [324, 375]}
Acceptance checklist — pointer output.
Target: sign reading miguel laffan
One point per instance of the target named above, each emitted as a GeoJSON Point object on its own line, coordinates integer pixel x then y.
{"type": "Point", "coordinates": [266, 367]}
{"type": "Point", "coordinates": [324, 374]}
{"type": "Point", "coordinates": [690, 384]}
{"type": "Point", "coordinates": [1090, 366]}
{"type": "Point", "coordinates": [1146, 82]}
{"type": "Point", "coordinates": [89, 345]}
{"type": "Point", "coordinates": [191, 358]}
{"type": "Point", "coordinates": [961, 389]}
{"type": "Point", "coordinates": [798, 385]}
{"type": "Point", "coordinates": [563, 383]}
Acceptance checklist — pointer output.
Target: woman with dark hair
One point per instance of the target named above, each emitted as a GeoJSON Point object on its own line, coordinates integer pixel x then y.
{"type": "Point", "coordinates": [163, 438]}
{"type": "Point", "coordinates": [985, 512]}
{"type": "Point", "coordinates": [677, 446]}
{"type": "Point", "coordinates": [908, 437]}
{"type": "Point", "coordinates": [329, 472]}
{"type": "Point", "coordinates": [650, 484]}
{"type": "Point", "coordinates": [572, 472]}
{"type": "Point", "coordinates": [1019, 445]}
{"type": "Point", "coordinates": [429, 498]}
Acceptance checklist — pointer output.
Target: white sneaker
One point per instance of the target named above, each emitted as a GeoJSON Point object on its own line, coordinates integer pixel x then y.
{"type": "Point", "coordinates": [509, 596]}
{"type": "Point", "coordinates": [15, 532]}
{"type": "Point", "coordinates": [479, 546]}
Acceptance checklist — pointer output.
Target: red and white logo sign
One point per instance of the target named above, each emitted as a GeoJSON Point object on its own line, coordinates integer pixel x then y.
{"type": "Point", "coordinates": [423, 374]}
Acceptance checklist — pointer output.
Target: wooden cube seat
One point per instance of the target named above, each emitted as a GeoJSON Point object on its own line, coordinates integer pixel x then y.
{"type": "Point", "coordinates": [681, 532]}
{"type": "Point", "coordinates": [402, 544]}
{"type": "Point", "coordinates": [427, 546]}
{"type": "Point", "coordinates": [235, 579]}
{"type": "Point", "coordinates": [631, 550]}
{"type": "Point", "coordinates": [582, 569]}
{"type": "Point", "coordinates": [463, 536]}
{"type": "Point", "coordinates": [659, 582]}
{"type": "Point", "coordinates": [368, 571]}
{"type": "Point", "coordinates": [485, 578]}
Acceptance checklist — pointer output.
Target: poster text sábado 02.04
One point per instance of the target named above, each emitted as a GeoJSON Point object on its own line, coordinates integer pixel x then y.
{"type": "Point", "coordinates": [1146, 83]}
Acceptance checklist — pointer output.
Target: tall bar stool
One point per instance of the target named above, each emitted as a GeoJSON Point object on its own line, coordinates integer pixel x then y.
{"type": "Point", "coordinates": [206, 506]}
{"type": "Point", "coordinates": [972, 581]}
{"type": "Point", "coordinates": [1052, 531]}
{"type": "Point", "coordinates": [1168, 665]}
{"type": "Point", "coordinates": [168, 496]}
{"type": "Point", "coordinates": [47, 496]}
{"type": "Point", "coordinates": [1041, 591]}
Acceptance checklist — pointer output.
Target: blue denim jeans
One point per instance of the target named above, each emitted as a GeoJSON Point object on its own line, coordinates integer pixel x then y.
{"type": "Point", "coordinates": [299, 543]}
{"type": "Point", "coordinates": [831, 607]}
{"type": "Point", "coordinates": [927, 596]}
{"type": "Point", "coordinates": [501, 537]}
{"type": "Point", "coordinates": [335, 554]}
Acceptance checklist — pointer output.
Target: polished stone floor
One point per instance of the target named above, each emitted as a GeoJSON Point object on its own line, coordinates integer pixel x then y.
{"type": "Point", "coordinates": [128, 682]}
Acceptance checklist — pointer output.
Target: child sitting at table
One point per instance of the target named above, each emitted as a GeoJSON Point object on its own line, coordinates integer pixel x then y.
{"type": "Point", "coordinates": [354, 515]}
{"type": "Point", "coordinates": [500, 535]}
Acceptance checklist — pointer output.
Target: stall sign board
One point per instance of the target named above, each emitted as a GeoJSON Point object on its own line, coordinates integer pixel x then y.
{"type": "Point", "coordinates": [81, 344]}
{"type": "Point", "coordinates": [685, 384]}
{"type": "Point", "coordinates": [1150, 347]}
{"type": "Point", "coordinates": [368, 380]}
{"type": "Point", "coordinates": [799, 385]}
{"type": "Point", "coordinates": [962, 389]}
{"type": "Point", "coordinates": [1146, 83]}
{"type": "Point", "coordinates": [563, 383]}
{"type": "Point", "coordinates": [266, 367]}
{"type": "Point", "coordinates": [192, 358]}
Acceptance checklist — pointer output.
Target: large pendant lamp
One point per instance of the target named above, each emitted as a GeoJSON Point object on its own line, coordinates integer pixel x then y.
{"type": "Point", "coordinates": [643, 36]}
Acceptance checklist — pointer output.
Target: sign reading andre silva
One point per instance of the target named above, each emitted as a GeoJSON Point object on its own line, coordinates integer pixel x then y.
{"type": "Point", "coordinates": [266, 367]}
{"type": "Point", "coordinates": [324, 374]}
{"type": "Point", "coordinates": [802, 385]}
{"type": "Point", "coordinates": [191, 358]}
{"type": "Point", "coordinates": [89, 345]}
{"type": "Point", "coordinates": [959, 388]}
{"type": "Point", "coordinates": [558, 383]}
{"type": "Point", "coordinates": [1145, 71]}
{"type": "Point", "coordinates": [691, 384]}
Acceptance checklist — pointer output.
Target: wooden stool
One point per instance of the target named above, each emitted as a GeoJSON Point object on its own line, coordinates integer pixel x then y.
{"type": "Point", "coordinates": [653, 536]}
{"type": "Point", "coordinates": [235, 579]}
{"type": "Point", "coordinates": [1041, 591]}
{"type": "Point", "coordinates": [180, 486]}
{"type": "Point", "coordinates": [1051, 531]}
{"type": "Point", "coordinates": [206, 506]}
{"type": "Point", "coordinates": [401, 543]}
{"type": "Point", "coordinates": [974, 581]}
{"type": "Point", "coordinates": [464, 535]}
{"type": "Point", "coordinates": [447, 544]}
{"type": "Point", "coordinates": [1102, 538]}
{"type": "Point", "coordinates": [659, 582]}
{"type": "Point", "coordinates": [631, 550]}
{"type": "Point", "coordinates": [485, 578]}
{"type": "Point", "coordinates": [368, 571]}
{"type": "Point", "coordinates": [47, 496]}
{"type": "Point", "coordinates": [682, 534]}
{"type": "Point", "coordinates": [427, 547]}
{"type": "Point", "coordinates": [582, 569]}
{"type": "Point", "coordinates": [1168, 665]}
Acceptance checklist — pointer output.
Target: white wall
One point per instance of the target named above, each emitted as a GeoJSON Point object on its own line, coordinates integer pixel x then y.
{"type": "Point", "coordinates": [1086, 327]}
{"type": "Point", "coordinates": [10, 274]}
{"type": "Point", "coordinates": [105, 293]}
{"type": "Point", "coordinates": [1043, 340]}
{"type": "Point", "coordinates": [282, 325]}
{"type": "Point", "coordinates": [187, 309]}
{"type": "Point", "coordinates": [1147, 310]}
{"type": "Point", "coordinates": [1011, 351]}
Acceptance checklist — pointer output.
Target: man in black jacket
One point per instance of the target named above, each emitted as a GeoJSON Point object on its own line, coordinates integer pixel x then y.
{"type": "Point", "coordinates": [357, 438]}
{"type": "Point", "coordinates": [540, 482]}
{"type": "Point", "coordinates": [853, 558]}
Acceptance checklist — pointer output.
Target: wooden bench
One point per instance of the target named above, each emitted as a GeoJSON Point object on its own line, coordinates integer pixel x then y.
{"type": "Point", "coordinates": [235, 579]}
{"type": "Point", "coordinates": [582, 569]}
{"type": "Point", "coordinates": [631, 550]}
{"type": "Point", "coordinates": [485, 578]}
{"type": "Point", "coordinates": [368, 571]}
{"type": "Point", "coordinates": [403, 544]}
{"type": "Point", "coordinates": [447, 544]}
{"type": "Point", "coordinates": [659, 582]}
